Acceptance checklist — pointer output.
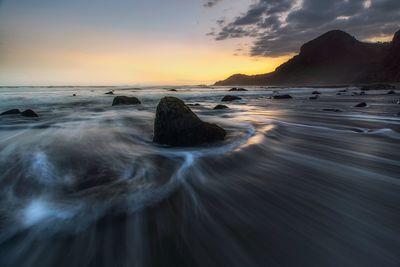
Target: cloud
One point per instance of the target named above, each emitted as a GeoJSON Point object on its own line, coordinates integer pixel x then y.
{"type": "Point", "coordinates": [280, 27]}
{"type": "Point", "coordinates": [211, 3]}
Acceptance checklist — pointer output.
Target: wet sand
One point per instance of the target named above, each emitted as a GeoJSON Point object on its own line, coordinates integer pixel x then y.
{"type": "Point", "coordinates": [292, 185]}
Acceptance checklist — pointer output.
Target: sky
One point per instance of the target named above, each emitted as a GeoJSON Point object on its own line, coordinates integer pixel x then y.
{"type": "Point", "coordinates": [174, 42]}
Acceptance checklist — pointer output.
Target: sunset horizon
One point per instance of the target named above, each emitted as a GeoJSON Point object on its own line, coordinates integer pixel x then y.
{"type": "Point", "coordinates": [137, 43]}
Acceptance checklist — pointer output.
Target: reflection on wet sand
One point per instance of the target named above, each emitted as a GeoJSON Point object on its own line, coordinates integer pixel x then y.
{"type": "Point", "coordinates": [291, 185]}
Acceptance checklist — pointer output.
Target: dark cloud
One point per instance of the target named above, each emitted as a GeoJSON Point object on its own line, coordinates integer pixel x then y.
{"type": "Point", "coordinates": [280, 27]}
{"type": "Point", "coordinates": [211, 3]}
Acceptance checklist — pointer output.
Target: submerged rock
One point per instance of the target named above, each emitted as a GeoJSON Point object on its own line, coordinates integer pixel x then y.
{"type": "Point", "coordinates": [391, 92]}
{"type": "Point", "coordinates": [221, 107]}
{"type": "Point", "coordinates": [361, 105]}
{"type": "Point", "coordinates": [11, 112]}
{"type": "Point", "coordinates": [29, 113]}
{"type": "Point", "coordinates": [74, 95]}
{"type": "Point", "coordinates": [237, 89]}
{"type": "Point", "coordinates": [172, 90]}
{"type": "Point", "coordinates": [332, 109]}
{"type": "Point", "coordinates": [316, 93]}
{"type": "Point", "coordinates": [314, 97]}
{"type": "Point", "coordinates": [177, 125]}
{"type": "Point", "coordinates": [286, 96]}
{"type": "Point", "coordinates": [230, 98]}
{"type": "Point", "coordinates": [125, 100]}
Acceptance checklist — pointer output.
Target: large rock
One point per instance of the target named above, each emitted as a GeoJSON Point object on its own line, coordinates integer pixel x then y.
{"type": "Point", "coordinates": [286, 96]}
{"type": "Point", "coordinates": [29, 113]}
{"type": "Point", "coordinates": [361, 105]}
{"type": "Point", "coordinates": [229, 98]}
{"type": "Point", "coordinates": [11, 112]}
{"type": "Point", "coordinates": [177, 125]}
{"type": "Point", "coordinates": [125, 100]}
{"type": "Point", "coordinates": [221, 107]}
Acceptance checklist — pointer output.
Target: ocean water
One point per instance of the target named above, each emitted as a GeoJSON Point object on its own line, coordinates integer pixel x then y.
{"type": "Point", "coordinates": [291, 185]}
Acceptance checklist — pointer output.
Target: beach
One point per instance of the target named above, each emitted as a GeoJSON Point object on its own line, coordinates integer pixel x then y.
{"type": "Point", "coordinates": [296, 182]}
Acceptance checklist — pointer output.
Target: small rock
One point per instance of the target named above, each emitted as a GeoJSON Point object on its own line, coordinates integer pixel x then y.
{"type": "Point", "coordinates": [172, 90]}
{"type": "Point", "coordinates": [11, 112]}
{"type": "Point", "coordinates": [109, 93]}
{"type": "Point", "coordinates": [286, 96]}
{"type": "Point", "coordinates": [361, 105]}
{"type": "Point", "coordinates": [125, 100]}
{"type": "Point", "coordinates": [316, 93]}
{"type": "Point", "coordinates": [237, 89]}
{"type": "Point", "coordinates": [177, 125]}
{"type": "Point", "coordinates": [29, 113]}
{"type": "Point", "coordinates": [362, 93]}
{"type": "Point", "coordinates": [230, 98]}
{"type": "Point", "coordinates": [332, 109]}
{"type": "Point", "coordinates": [391, 92]}
{"type": "Point", "coordinates": [343, 91]}
{"type": "Point", "coordinates": [314, 97]}
{"type": "Point", "coordinates": [74, 95]}
{"type": "Point", "coordinates": [221, 107]}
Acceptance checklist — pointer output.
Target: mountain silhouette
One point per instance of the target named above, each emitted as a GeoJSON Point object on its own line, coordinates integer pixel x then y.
{"type": "Point", "coordinates": [333, 58]}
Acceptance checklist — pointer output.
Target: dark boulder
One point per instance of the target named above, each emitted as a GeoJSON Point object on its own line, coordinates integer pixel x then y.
{"type": "Point", "coordinates": [237, 89]}
{"type": "Point", "coordinates": [221, 107]}
{"type": "Point", "coordinates": [177, 125]}
{"type": "Point", "coordinates": [74, 95]}
{"type": "Point", "coordinates": [29, 113]}
{"type": "Point", "coordinates": [361, 105]}
{"type": "Point", "coordinates": [286, 96]}
{"type": "Point", "coordinates": [391, 92]}
{"type": "Point", "coordinates": [228, 98]}
{"type": "Point", "coordinates": [316, 93]}
{"type": "Point", "coordinates": [109, 93]}
{"type": "Point", "coordinates": [125, 100]}
{"type": "Point", "coordinates": [314, 97]}
{"type": "Point", "coordinates": [172, 90]}
{"type": "Point", "coordinates": [11, 112]}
